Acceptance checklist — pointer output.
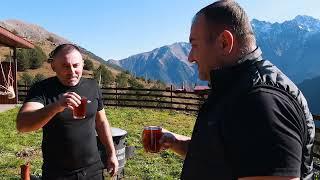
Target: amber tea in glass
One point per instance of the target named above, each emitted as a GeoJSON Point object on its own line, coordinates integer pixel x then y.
{"type": "Point", "coordinates": [150, 137]}
{"type": "Point", "coordinates": [80, 111]}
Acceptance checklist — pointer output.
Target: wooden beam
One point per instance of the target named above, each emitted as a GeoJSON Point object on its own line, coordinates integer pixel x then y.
{"type": "Point", "coordinates": [9, 39]}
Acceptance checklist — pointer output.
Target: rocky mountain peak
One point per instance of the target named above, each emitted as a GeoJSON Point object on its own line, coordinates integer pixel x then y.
{"type": "Point", "coordinates": [32, 31]}
{"type": "Point", "coordinates": [291, 45]}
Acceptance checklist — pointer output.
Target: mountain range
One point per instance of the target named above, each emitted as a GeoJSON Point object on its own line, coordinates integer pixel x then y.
{"type": "Point", "coordinates": [167, 63]}
{"type": "Point", "coordinates": [291, 45]}
{"type": "Point", "coordinates": [311, 90]}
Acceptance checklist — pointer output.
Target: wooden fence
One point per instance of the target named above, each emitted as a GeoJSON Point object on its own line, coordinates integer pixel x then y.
{"type": "Point", "coordinates": [144, 98]}
{"type": "Point", "coordinates": [152, 98]}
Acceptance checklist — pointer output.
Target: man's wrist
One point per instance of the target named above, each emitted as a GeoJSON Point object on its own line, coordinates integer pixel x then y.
{"type": "Point", "coordinates": [110, 150]}
{"type": "Point", "coordinates": [58, 107]}
{"type": "Point", "coordinates": [111, 154]}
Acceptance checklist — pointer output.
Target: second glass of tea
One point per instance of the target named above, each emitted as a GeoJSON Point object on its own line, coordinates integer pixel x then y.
{"type": "Point", "coordinates": [150, 138]}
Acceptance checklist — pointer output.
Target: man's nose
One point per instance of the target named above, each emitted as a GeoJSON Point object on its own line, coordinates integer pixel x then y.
{"type": "Point", "coordinates": [71, 70]}
{"type": "Point", "coordinates": [190, 57]}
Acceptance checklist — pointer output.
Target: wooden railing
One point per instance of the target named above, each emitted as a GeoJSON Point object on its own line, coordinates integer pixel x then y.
{"type": "Point", "coordinates": [144, 98]}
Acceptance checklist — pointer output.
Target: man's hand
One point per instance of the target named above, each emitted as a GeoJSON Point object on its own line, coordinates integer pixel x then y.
{"type": "Point", "coordinates": [105, 136]}
{"type": "Point", "coordinates": [112, 165]}
{"type": "Point", "coordinates": [175, 142]}
{"type": "Point", "coordinates": [69, 100]}
{"type": "Point", "coordinates": [34, 115]}
{"type": "Point", "coordinates": [167, 140]}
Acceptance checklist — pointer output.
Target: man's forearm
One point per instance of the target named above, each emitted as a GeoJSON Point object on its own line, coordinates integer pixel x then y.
{"type": "Point", "coordinates": [105, 136]}
{"type": "Point", "coordinates": [33, 120]}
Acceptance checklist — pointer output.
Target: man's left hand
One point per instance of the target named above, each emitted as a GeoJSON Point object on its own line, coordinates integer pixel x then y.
{"type": "Point", "coordinates": [112, 165]}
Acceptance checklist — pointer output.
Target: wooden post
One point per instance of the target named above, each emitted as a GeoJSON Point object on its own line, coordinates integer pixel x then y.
{"type": "Point", "coordinates": [25, 171]}
{"type": "Point", "coordinates": [15, 74]}
{"type": "Point", "coordinates": [202, 100]}
{"type": "Point", "coordinates": [171, 95]}
{"type": "Point", "coordinates": [117, 95]}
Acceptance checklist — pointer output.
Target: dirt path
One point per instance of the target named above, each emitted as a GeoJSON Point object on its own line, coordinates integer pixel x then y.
{"type": "Point", "coordinates": [6, 107]}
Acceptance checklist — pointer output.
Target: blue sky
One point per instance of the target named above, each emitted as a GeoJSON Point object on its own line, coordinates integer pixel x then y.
{"type": "Point", "coordinates": [116, 29]}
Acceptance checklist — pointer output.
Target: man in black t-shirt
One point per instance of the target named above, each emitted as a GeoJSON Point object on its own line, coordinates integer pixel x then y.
{"type": "Point", "coordinates": [255, 123]}
{"type": "Point", "coordinates": [69, 145]}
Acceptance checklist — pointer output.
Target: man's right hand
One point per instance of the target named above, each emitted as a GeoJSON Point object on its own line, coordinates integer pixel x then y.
{"type": "Point", "coordinates": [69, 100]}
{"type": "Point", "coordinates": [175, 142]}
{"type": "Point", "coordinates": [167, 140]}
{"type": "Point", "coordinates": [34, 115]}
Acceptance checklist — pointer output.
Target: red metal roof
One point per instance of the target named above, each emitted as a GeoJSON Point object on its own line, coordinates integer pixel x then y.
{"type": "Point", "coordinates": [199, 88]}
{"type": "Point", "coordinates": [9, 39]}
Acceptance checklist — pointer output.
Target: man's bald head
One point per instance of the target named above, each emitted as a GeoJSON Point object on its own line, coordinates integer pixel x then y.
{"type": "Point", "coordinates": [228, 15]}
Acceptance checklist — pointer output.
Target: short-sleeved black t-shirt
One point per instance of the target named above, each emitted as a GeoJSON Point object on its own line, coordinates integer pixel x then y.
{"type": "Point", "coordinates": [68, 144]}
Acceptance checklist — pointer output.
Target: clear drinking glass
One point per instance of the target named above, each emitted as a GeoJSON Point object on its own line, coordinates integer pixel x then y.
{"type": "Point", "coordinates": [80, 111]}
{"type": "Point", "coordinates": [150, 138]}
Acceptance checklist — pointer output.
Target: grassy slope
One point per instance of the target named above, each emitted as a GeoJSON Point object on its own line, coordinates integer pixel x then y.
{"type": "Point", "coordinates": [165, 165]}
{"type": "Point", "coordinates": [46, 70]}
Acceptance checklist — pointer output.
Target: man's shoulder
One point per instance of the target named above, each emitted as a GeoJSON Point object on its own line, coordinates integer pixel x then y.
{"type": "Point", "coordinates": [51, 81]}
{"type": "Point", "coordinates": [90, 81]}
{"type": "Point", "coordinates": [261, 94]}
{"type": "Point", "coordinates": [267, 74]}
{"type": "Point", "coordinates": [89, 84]}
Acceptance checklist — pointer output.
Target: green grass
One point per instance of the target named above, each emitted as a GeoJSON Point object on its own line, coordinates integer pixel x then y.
{"type": "Point", "coordinates": [12, 142]}
{"type": "Point", "coordinates": [165, 165]}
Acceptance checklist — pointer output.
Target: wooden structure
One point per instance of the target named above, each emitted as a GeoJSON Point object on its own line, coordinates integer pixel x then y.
{"type": "Point", "coordinates": [201, 90]}
{"type": "Point", "coordinates": [12, 41]}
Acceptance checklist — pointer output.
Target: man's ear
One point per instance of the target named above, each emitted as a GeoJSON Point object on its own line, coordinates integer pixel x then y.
{"type": "Point", "coordinates": [52, 66]}
{"type": "Point", "coordinates": [226, 41]}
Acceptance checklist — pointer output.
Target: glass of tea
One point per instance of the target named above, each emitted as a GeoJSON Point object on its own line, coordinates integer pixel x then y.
{"type": "Point", "coordinates": [150, 138]}
{"type": "Point", "coordinates": [80, 111]}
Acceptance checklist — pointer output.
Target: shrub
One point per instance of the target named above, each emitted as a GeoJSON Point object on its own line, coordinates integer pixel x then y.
{"type": "Point", "coordinates": [134, 83]}
{"type": "Point", "coordinates": [26, 79]}
{"type": "Point", "coordinates": [127, 72]}
{"type": "Point", "coordinates": [50, 38]}
{"type": "Point", "coordinates": [88, 65]}
{"type": "Point", "coordinates": [122, 80]}
{"type": "Point", "coordinates": [38, 78]}
{"type": "Point", "coordinates": [36, 57]}
{"type": "Point", "coordinates": [103, 75]}
{"type": "Point", "coordinates": [22, 60]}
{"type": "Point", "coordinates": [15, 32]}
{"type": "Point", "coordinates": [30, 58]}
